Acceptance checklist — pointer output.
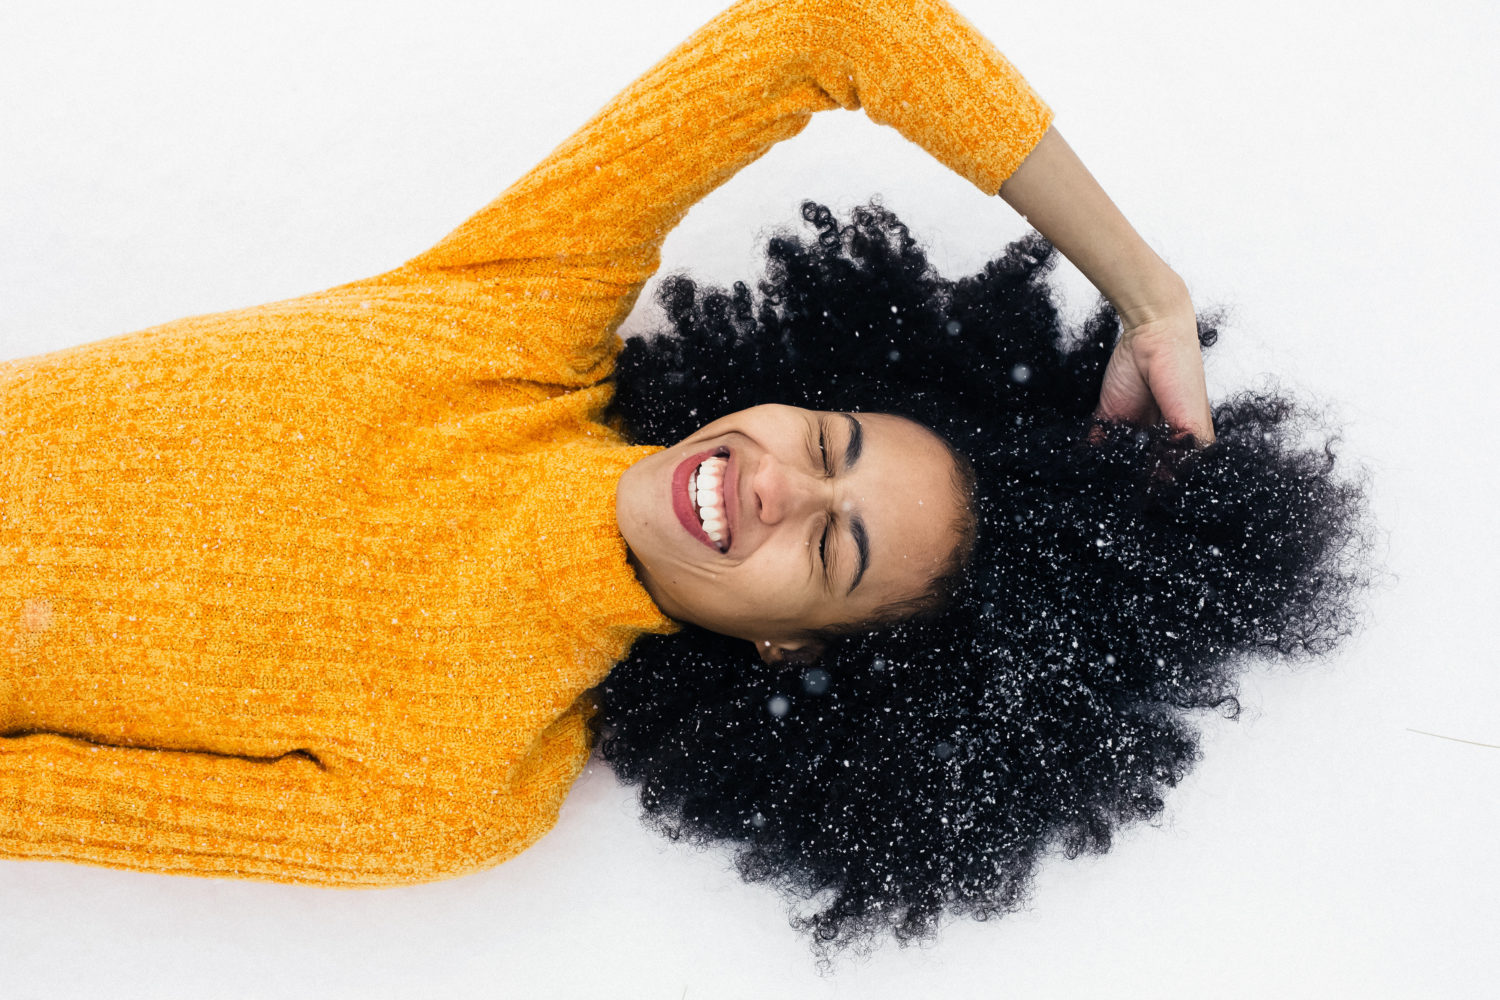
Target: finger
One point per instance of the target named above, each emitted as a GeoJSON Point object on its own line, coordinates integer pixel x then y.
{"type": "Point", "coordinates": [1179, 388]}
{"type": "Point", "coordinates": [1124, 395]}
{"type": "Point", "coordinates": [1139, 416]}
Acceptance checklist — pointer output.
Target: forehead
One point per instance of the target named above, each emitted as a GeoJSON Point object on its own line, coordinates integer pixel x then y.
{"type": "Point", "coordinates": [902, 488]}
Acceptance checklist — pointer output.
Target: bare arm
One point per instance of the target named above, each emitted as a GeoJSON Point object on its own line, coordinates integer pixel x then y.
{"type": "Point", "coordinates": [1156, 371]}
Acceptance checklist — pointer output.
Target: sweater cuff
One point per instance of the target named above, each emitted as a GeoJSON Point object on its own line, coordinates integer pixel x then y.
{"type": "Point", "coordinates": [922, 68]}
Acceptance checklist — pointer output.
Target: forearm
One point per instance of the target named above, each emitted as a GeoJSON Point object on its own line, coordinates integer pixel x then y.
{"type": "Point", "coordinates": [1156, 370]}
{"type": "Point", "coordinates": [1057, 195]}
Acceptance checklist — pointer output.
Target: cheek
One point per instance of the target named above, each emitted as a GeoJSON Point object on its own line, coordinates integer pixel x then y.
{"type": "Point", "coordinates": [732, 587]}
{"type": "Point", "coordinates": [694, 578]}
{"type": "Point", "coordinates": [778, 584]}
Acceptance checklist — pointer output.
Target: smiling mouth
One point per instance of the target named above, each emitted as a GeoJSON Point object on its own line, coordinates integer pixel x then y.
{"type": "Point", "coordinates": [703, 495]}
{"type": "Point", "coordinates": [706, 491]}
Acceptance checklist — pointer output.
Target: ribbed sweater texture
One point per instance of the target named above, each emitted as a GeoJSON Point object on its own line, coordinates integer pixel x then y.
{"type": "Point", "coordinates": [316, 591]}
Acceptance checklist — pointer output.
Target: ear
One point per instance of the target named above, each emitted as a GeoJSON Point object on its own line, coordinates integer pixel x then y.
{"type": "Point", "coordinates": [789, 653]}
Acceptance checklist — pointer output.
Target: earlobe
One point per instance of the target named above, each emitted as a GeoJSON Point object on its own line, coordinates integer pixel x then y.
{"type": "Point", "coordinates": [797, 653]}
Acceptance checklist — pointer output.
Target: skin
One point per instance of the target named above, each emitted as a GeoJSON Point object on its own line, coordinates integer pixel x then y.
{"type": "Point", "coordinates": [1156, 370]}
{"type": "Point", "coordinates": [771, 587]}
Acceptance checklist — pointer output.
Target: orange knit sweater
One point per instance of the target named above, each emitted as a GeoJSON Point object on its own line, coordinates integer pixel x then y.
{"type": "Point", "coordinates": [315, 591]}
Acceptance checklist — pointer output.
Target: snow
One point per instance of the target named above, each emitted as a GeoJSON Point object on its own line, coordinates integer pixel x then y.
{"type": "Point", "coordinates": [1321, 170]}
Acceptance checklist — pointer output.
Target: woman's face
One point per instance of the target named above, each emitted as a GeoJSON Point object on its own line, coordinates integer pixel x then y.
{"type": "Point", "coordinates": [822, 518]}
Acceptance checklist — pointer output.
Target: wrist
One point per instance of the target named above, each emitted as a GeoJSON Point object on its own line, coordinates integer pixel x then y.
{"type": "Point", "coordinates": [1161, 297]}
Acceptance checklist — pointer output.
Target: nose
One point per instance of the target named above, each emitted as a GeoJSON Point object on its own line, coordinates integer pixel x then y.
{"type": "Point", "coordinates": [782, 492]}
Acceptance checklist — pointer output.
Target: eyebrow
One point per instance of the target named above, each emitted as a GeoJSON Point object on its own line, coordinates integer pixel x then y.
{"type": "Point", "coordinates": [856, 448]}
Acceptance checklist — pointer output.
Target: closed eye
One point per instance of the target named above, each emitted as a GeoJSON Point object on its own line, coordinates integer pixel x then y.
{"type": "Point", "coordinates": [828, 525]}
{"type": "Point", "coordinates": [827, 471]}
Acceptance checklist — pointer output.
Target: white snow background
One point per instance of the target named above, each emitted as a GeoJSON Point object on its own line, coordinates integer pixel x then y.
{"type": "Point", "coordinates": [1322, 169]}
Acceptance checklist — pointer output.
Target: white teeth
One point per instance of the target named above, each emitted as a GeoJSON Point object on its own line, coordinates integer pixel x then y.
{"type": "Point", "coordinates": [704, 491]}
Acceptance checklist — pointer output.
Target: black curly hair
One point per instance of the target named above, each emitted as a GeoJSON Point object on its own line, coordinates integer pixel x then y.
{"type": "Point", "coordinates": [1120, 578]}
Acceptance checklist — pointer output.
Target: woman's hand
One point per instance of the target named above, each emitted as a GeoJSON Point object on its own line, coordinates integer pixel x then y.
{"type": "Point", "coordinates": [1156, 370]}
{"type": "Point", "coordinates": [1156, 373]}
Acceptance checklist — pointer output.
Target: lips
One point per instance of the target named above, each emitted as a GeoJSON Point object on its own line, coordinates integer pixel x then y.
{"type": "Point", "coordinates": [682, 506]}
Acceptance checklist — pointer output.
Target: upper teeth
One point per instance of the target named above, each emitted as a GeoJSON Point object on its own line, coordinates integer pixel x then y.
{"type": "Point", "coordinates": [704, 490]}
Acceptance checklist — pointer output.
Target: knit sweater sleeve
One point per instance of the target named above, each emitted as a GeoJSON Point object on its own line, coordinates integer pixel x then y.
{"type": "Point", "coordinates": [66, 798]}
{"type": "Point", "coordinates": [289, 818]}
{"type": "Point", "coordinates": [604, 200]}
